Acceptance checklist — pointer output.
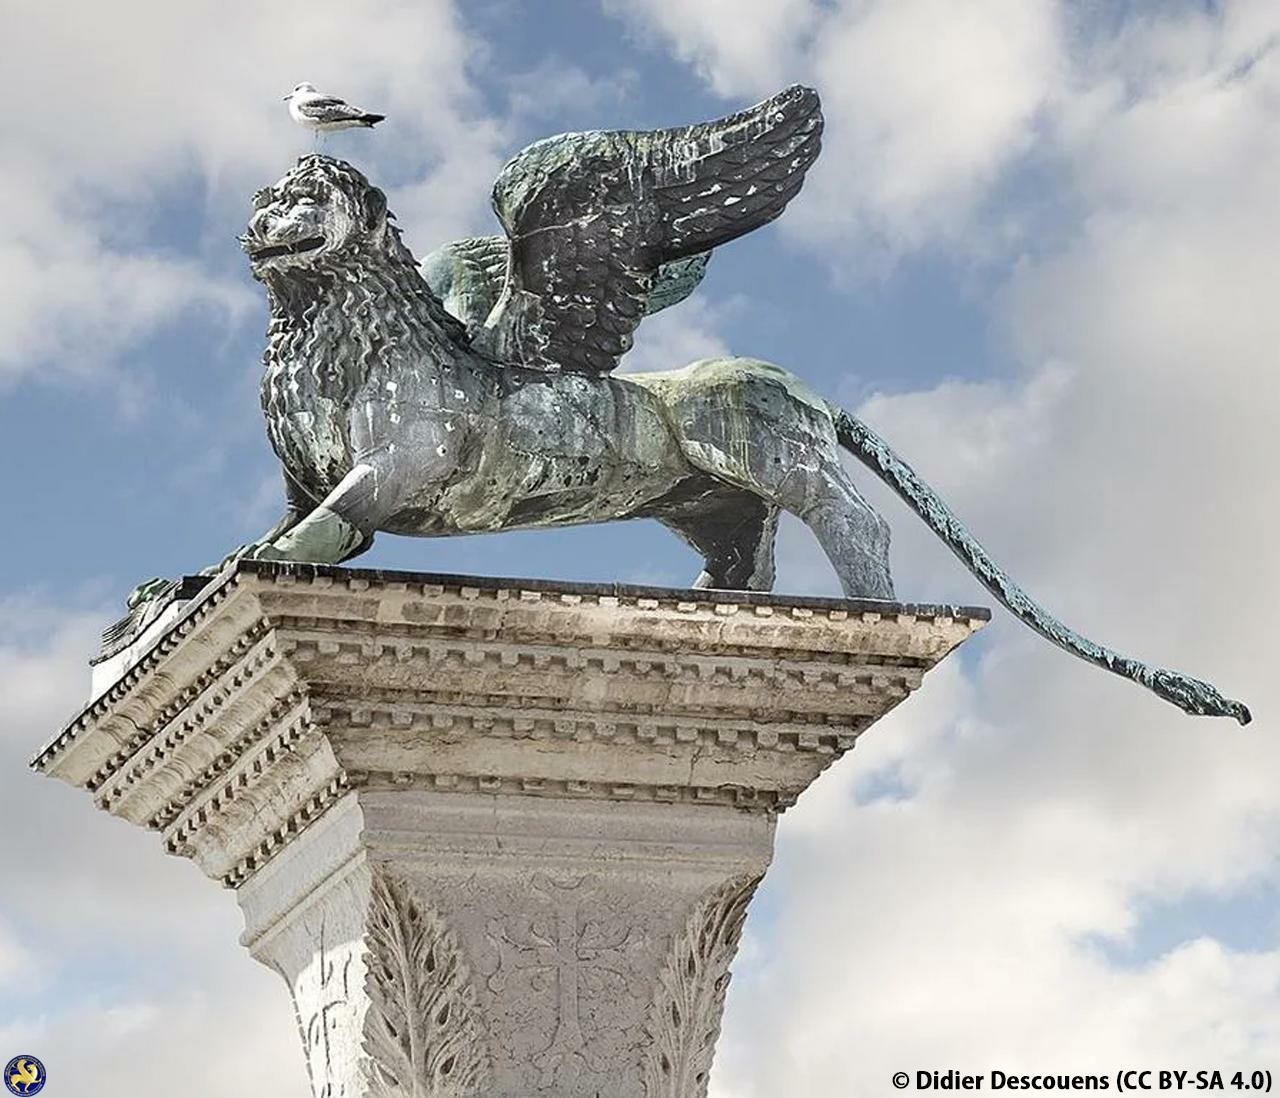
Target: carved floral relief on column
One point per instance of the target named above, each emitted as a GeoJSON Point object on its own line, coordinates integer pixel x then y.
{"type": "Point", "coordinates": [422, 1034]}
{"type": "Point", "coordinates": [684, 1019]}
{"type": "Point", "coordinates": [565, 962]}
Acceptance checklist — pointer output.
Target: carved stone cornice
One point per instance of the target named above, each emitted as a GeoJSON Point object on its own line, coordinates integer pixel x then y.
{"type": "Point", "coordinates": [319, 680]}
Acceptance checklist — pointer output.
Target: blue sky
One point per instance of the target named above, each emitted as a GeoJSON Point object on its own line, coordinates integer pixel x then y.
{"type": "Point", "coordinates": [1037, 254]}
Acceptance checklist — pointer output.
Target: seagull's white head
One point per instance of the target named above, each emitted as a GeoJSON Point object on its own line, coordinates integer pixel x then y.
{"type": "Point", "coordinates": [300, 89]}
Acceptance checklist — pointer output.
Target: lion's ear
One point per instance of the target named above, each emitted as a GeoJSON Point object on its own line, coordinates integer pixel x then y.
{"type": "Point", "coordinates": [375, 209]}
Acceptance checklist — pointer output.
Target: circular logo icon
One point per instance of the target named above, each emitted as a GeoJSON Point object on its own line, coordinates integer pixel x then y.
{"type": "Point", "coordinates": [24, 1075]}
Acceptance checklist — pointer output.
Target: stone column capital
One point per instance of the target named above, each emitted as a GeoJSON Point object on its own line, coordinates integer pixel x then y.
{"type": "Point", "coordinates": [499, 836]}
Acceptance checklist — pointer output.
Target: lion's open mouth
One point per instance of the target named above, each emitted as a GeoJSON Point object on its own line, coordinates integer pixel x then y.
{"type": "Point", "coordinates": [310, 244]}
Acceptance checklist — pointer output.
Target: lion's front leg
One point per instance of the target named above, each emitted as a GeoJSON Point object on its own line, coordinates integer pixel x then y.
{"type": "Point", "coordinates": [297, 506]}
{"type": "Point", "coordinates": [340, 528]}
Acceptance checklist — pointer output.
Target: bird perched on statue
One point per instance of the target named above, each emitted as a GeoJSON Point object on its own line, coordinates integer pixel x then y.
{"type": "Point", "coordinates": [323, 113]}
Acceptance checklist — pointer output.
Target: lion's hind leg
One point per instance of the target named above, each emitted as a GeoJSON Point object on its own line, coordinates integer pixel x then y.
{"type": "Point", "coordinates": [751, 425]}
{"type": "Point", "coordinates": [734, 532]}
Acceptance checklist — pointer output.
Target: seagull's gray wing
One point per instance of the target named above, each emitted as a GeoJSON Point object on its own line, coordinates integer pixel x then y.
{"type": "Point", "coordinates": [592, 217]}
{"type": "Point", "coordinates": [468, 276]}
{"type": "Point", "coordinates": [330, 109]}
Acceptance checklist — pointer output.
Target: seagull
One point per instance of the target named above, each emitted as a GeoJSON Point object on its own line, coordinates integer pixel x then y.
{"type": "Point", "coordinates": [325, 113]}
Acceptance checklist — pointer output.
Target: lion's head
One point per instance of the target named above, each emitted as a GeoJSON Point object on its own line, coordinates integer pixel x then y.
{"type": "Point", "coordinates": [322, 210]}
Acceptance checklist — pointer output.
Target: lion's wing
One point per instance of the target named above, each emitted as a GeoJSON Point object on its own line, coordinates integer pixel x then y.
{"type": "Point", "coordinates": [591, 217]}
{"type": "Point", "coordinates": [468, 276]}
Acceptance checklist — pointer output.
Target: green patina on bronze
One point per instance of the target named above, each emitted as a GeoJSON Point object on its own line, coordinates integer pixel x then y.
{"type": "Point", "coordinates": [480, 397]}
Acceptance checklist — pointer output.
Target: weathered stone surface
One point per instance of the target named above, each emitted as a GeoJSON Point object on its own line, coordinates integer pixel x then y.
{"type": "Point", "coordinates": [498, 836]}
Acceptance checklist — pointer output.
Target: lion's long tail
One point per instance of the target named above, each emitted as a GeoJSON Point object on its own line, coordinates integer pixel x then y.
{"type": "Point", "coordinates": [1190, 695]}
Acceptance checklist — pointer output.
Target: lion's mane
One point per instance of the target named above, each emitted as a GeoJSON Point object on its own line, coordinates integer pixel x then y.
{"type": "Point", "coordinates": [343, 318]}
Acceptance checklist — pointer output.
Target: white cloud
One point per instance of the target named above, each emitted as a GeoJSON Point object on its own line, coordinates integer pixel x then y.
{"type": "Point", "coordinates": [1040, 807]}
{"type": "Point", "coordinates": [956, 926]}
{"type": "Point", "coordinates": [554, 88]}
{"type": "Point", "coordinates": [16, 963]}
{"type": "Point", "coordinates": [236, 1023]}
{"type": "Point", "coordinates": [131, 101]}
{"type": "Point", "coordinates": [74, 301]}
{"type": "Point", "coordinates": [927, 103]}
{"type": "Point", "coordinates": [732, 47]}
{"type": "Point", "coordinates": [119, 968]}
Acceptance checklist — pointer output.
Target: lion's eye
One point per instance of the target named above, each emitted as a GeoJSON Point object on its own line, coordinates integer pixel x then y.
{"type": "Point", "coordinates": [261, 198]}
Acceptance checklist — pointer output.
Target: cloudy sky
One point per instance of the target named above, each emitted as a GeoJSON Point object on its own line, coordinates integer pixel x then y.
{"type": "Point", "coordinates": [1040, 253]}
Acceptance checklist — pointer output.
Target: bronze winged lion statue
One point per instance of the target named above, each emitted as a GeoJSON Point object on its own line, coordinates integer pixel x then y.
{"type": "Point", "coordinates": [482, 396]}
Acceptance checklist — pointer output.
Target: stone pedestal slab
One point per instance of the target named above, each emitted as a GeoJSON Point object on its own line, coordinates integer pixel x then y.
{"type": "Point", "coordinates": [498, 836]}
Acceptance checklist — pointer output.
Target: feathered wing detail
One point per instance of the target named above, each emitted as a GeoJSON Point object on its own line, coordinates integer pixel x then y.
{"type": "Point", "coordinates": [676, 280]}
{"type": "Point", "coordinates": [468, 276]}
{"type": "Point", "coordinates": [591, 217]}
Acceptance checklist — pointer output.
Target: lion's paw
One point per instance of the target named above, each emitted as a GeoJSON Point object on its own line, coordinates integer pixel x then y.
{"type": "Point", "coordinates": [154, 588]}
